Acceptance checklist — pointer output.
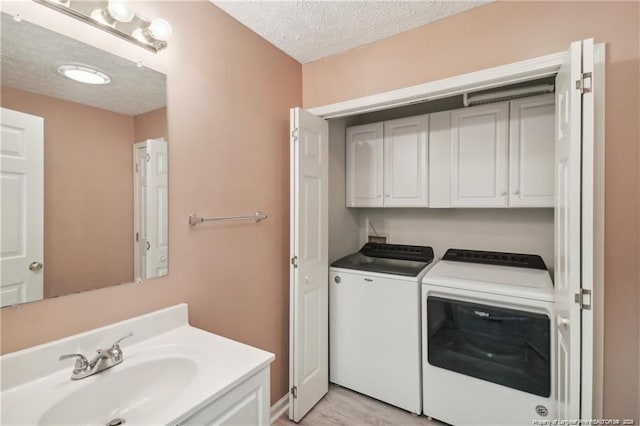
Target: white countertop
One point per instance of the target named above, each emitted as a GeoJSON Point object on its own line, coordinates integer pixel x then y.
{"type": "Point", "coordinates": [33, 380]}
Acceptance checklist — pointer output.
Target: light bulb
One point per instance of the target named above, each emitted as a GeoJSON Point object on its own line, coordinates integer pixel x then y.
{"type": "Point", "coordinates": [120, 10]}
{"type": "Point", "coordinates": [160, 29]}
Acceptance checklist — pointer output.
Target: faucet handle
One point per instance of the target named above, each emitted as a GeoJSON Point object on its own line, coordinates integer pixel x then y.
{"type": "Point", "coordinates": [117, 343]}
{"type": "Point", "coordinates": [82, 364]}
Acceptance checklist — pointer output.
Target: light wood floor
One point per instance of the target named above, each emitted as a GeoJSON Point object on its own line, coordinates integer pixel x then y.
{"type": "Point", "coordinates": [347, 408]}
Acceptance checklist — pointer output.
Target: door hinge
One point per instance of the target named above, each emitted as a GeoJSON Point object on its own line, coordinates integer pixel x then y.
{"type": "Point", "coordinates": [294, 261]}
{"type": "Point", "coordinates": [583, 298]}
{"type": "Point", "coordinates": [137, 237]}
{"type": "Point", "coordinates": [148, 157]}
{"type": "Point", "coordinates": [136, 167]}
{"type": "Point", "coordinates": [294, 391]}
{"type": "Point", "coordinates": [585, 83]}
{"type": "Point", "coordinates": [294, 134]}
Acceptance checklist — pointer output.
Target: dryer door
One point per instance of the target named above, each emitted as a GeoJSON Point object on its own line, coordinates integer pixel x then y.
{"type": "Point", "coordinates": [503, 346]}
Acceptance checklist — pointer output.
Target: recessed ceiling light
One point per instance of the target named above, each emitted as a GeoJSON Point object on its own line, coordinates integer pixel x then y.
{"type": "Point", "coordinates": [84, 74]}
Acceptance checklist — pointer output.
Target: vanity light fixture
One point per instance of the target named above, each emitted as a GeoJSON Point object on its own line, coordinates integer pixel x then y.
{"type": "Point", "coordinates": [84, 74]}
{"type": "Point", "coordinates": [118, 18]}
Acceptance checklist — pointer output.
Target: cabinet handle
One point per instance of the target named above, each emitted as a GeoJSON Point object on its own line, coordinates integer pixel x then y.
{"type": "Point", "coordinates": [388, 195]}
{"type": "Point", "coordinates": [379, 196]}
{"type": "Point", "coordinates": [516, 192]}
{"type": "Point", "coordinates": [504, 193]}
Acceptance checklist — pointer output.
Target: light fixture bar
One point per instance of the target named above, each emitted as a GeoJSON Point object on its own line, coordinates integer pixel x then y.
{"type": "Point", "coordinates": [67, 9]}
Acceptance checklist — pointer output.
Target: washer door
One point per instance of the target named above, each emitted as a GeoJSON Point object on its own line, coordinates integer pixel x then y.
{"type": "Point", "coordinates": [503, 346]}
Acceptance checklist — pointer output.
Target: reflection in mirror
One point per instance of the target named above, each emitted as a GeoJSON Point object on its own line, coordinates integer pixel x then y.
{"type": "Point", "coordinates": [83, 169]}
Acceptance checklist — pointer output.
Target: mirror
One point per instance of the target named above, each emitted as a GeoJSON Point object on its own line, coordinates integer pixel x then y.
{"type": "Point", "coordinates": [84, 167]}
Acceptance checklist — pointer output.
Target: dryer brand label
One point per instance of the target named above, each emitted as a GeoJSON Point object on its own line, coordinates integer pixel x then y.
{"type": "Point", "coordinates": [482, 314]}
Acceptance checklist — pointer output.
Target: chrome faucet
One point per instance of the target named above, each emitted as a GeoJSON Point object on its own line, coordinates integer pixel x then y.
{"type": "Point", "coordinates": [106, 358]}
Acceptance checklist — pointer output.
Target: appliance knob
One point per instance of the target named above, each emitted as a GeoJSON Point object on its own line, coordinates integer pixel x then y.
{"type": "Point", "coordinates": [541, 410]}
{"type": "Point", "coordinates": [337, 279]}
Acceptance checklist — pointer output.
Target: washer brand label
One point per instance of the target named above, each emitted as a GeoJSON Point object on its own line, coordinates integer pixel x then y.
{"type": "Point", "coordinates": [482, 314]}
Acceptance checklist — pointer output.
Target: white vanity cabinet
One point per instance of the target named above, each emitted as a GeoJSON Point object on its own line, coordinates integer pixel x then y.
{"type": "Point", "coordinates": [365, 165]}
{"type": "Point", "coordinates": [479, 156]}
{"type": "Point", "coordinates": [531, 152]}
{"type": "Point", "coordinates": [245, 404]}
{"type": "Point", "coordinates": [389, 158]}
{"type": "Point", "coordinates": [406, 166]}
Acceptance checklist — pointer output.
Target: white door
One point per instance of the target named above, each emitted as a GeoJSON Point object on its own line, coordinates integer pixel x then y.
{"type": "Point", "coordinates": [531, 151]}
{"type": "Point", "coordinates": [479, 156]}
{"type": "Point", "coordinates": [22, 188]}
{"type": "Point", "coordinates": [309, 340]}
{"type": "Point", "coordinates": [157, 211]}
{"type": "Point", "coordinates": [139, 210]}
{"type": "Point", "coordinates": [406, 177]}
{"type": "Point", "coordinates": [569, 114]}
{"type": "Point", "coordinates": [151, 183]}
{"type": "Point", "coordinates": [365, 165]}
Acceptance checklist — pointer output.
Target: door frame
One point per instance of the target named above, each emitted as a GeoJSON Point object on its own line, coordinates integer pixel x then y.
{"type": "Point", "coordinates": [592, 220]}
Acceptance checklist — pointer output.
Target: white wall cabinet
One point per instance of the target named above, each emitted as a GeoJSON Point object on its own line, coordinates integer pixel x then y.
{"type": "Point", "coordinates": [387, 163]}
{"type": "Point", "coordinates": [365, 165]}
{"type": "Point", "coordinates": [479, 156]}
{"type": "Point", "coordinates": [531, 152]}
{"type": "Point", "coordinates": [493, 155]}
{"type": "Point", "coordinates": [406, 179]}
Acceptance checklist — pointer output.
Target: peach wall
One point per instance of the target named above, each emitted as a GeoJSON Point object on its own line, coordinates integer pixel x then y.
{"type": "Point", "coordinates": [229, 94]}
{"type": "Point", "coordinates": [150, 125]}
{"type": "Point", "coordinates": [506, 32]}
{"type": "Point", "coordinates": [88, 192]}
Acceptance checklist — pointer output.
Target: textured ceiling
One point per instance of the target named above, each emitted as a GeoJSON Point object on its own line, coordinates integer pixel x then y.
{"type": "Point", "coordinates": [31, 55]}
{"type": "Point", "coordinates": [310, 30]}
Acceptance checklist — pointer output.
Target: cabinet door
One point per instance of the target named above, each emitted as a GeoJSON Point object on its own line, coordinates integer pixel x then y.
{"type": "Point", "coordinates": [245, 404]}
{"type": "Point", "coordinates": [405, 162]}
{"type": "Point", "coordinates": [531, 152]}
{"type": "Point", "coordinates": [364, 165]}
{"type": "Point", "coordinates": [479, 156]}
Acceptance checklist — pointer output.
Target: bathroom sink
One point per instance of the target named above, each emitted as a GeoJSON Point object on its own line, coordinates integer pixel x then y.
{"type": "Point", "coordinates": [141, 385]}
{"type": "Point", "coordinates": [169, 372]}
{"type": "Point", "coordinates": [127, 393]}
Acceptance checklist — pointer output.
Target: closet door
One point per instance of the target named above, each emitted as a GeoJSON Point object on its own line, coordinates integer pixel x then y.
{"type": "Point", "coordinates": [364, 165]}
{"type": "Point", "coordinates": [479, 156]}
{"type": "Point", "coordinates": [405, 162]}
{"type": "Point", "coordinates": [531, 152]}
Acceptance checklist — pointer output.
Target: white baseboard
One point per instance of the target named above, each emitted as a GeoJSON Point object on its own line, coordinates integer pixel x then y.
{"type": "Point", "coordinates": [279, 408]}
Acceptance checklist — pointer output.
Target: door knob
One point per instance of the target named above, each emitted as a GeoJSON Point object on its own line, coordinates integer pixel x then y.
{"type": "Point", "coordinates": [516, 192]}
{"type": "Point", "coordinates": [35, 266]}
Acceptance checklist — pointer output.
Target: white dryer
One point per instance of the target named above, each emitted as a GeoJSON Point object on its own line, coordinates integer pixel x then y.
{"type": "Point", "coordinates": [374, 322]}
{"type": "Point", "coordinates": [488, 339]}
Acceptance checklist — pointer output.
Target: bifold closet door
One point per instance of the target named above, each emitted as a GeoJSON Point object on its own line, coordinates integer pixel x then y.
{"type": "Point", "coordinates": [574, 130]}
{"type": "Point", "coordinates": [406, 177]}
{"type": "Point", "coordinates": [309, 266]}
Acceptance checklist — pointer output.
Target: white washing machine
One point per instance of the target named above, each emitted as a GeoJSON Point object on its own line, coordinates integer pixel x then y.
{"type": "Point", "coordinates": [374, 322]}
{"type": "Point", "coordinates": [488, 339]}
